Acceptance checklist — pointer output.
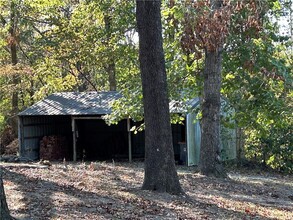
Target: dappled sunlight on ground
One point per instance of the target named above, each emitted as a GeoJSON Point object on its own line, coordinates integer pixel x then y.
{"type": "Point", "coordinates": [112, 191]}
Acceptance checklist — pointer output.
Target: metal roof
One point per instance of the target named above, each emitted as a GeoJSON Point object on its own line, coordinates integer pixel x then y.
{"type": "Point", "coordinates": [87, 103]}
{"type": "Point", "coordinates": [74, 103]}
{"type": "Point", "coordinates": [176, 106]}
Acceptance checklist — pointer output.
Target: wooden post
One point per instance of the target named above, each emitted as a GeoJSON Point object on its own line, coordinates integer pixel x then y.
{"type": "Point", "coordinates": [129, 140]}
{"type": "Point", "coordinates": [74, 138]}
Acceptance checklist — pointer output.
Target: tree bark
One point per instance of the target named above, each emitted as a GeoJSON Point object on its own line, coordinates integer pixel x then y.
{"type": "Point", "coordinates": [110, 66]}
{"type": "Point", "coordinates": [160, 171]}
{"type": "Point", "coordinates": [210, 152]}
{"type": "Point", "coordinates": [210, 158]}
{"type": "Point", "coordinates": [112, 74]}
{"type": "Point", "coordinates": [14, 61]}
{"type": "Point", "coordinates": [4, 211]}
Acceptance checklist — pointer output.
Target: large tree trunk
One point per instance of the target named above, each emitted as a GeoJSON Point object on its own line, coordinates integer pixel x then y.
{"type": "Point", "coordinates": [160, 171]}
{"type": "Point", "coordinates": [210, 160]}
{"type": "Point", "coordinates": [210, 152]}
{"type": "Point", "coordinates": [4, 211]}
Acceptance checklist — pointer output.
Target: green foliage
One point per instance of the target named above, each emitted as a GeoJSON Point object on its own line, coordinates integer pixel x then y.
{"type": "Point", "coordinates": [275, 149]}
{"type": "Point", "coordinates": [2, 122]}
{"type": "Point", "coordinates": [65, 46]}
{"type": "Point", "coordinates": [180, 71]}
{"type": "Point", "coordinates": [257, 80]}
{"type": "Point", "coordinates": [129, 106]}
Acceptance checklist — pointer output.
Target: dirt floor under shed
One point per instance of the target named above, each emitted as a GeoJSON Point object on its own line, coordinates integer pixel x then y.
{"type": "Point", "coordinates": [112, 191]}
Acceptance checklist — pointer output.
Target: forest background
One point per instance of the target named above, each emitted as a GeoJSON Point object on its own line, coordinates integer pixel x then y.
{"type": "Point", "coordinates": [53, 46]}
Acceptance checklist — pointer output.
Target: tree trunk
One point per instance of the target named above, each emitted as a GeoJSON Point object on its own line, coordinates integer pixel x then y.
{"type": "Point", "coordinates": [110, 66]}
{"type": "Point", "coordinates": [210, 152]}
{"type": "Point", "coordinates": [112, 74]}
{"type": "Point", "coordinates": [160, 171]}
{"type": "Point", "coordinates": [210, 160]}
{"type": "Point", "coordinates": [4, 211]}
{"type": "Point", "coordinates": [13, 54]}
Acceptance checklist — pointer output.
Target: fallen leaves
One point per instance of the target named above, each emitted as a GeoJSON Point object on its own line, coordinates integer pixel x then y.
{"type": "Point", "coordinates": [104, 191]}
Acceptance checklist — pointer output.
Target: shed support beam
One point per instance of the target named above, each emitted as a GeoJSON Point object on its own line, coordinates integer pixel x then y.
{"type": "Point", "coordinates": [129, 140]}
{"type": "Point", "coordinates": [74, 137]}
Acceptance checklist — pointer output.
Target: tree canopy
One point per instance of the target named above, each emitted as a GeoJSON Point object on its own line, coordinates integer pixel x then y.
{"type": "Point", "coordinates": [92, 45]}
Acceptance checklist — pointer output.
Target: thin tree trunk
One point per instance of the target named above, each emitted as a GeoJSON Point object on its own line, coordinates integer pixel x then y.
{"type": "Point", "coordinates": [13, 53]}
{"type": "Point", "coordinates": [4, 211]}
{"type": "Point", "coordinates": [112, 75]}
{"type": "Point", "coordinates": [84, 84]}
{"type": "Point", "coordinates": [110, 66]}
{"type": "Point", "coordinates": [31, 92]}
{"type": "Point", "coordinates": [160, 171]}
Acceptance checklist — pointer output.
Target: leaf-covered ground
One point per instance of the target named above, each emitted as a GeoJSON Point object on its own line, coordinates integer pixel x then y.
{"type": "Point", "coordinates": [112, 191]}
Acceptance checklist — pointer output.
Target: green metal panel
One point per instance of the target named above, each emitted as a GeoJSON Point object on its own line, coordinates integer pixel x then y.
{"type": "Point", "coordinates": [227, 145]}
{"type": "Point", "coordinates": [190, 140]}
{"type": "Point", "coordinates": [197, 141]}
{"type": "Point", "coordinates": [193, 139]}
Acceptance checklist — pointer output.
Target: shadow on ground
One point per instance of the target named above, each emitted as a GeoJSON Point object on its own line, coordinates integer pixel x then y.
{"type": "Point", "coordinates": [113, 193]}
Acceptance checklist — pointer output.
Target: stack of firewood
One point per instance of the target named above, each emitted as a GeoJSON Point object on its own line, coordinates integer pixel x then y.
{"type": "Point", "coordinates": [6, 137]}
{"type": "Point", "coordinates": [12, 148]}
{"type": "Point", "coordinates": [53, 147]}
